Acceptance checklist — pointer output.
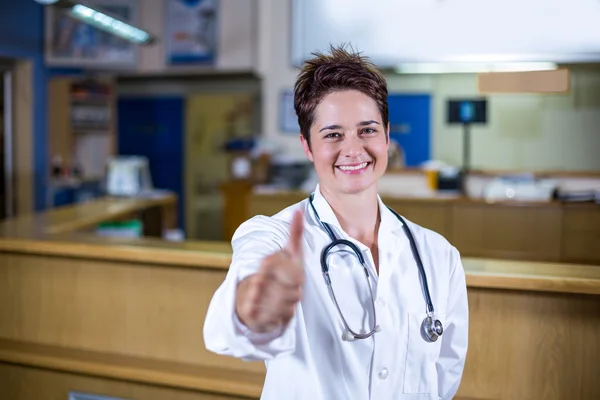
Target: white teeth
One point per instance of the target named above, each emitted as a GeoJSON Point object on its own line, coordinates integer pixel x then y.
{"type": "Point", "coordinates": [353, 168]}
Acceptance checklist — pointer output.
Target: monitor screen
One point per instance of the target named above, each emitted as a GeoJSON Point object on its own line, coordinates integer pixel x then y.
{"type": "Point", "coordinates": [467, 111]}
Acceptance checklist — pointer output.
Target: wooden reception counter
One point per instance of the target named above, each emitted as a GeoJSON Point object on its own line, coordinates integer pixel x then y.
{"type": "Point", "coordinates": [124, 317]}
{"type": "Point", "coordinates": [514, 230]}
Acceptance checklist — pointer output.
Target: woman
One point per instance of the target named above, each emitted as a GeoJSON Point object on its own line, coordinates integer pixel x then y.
{"type": "Point", "coordinates": [363, 336]}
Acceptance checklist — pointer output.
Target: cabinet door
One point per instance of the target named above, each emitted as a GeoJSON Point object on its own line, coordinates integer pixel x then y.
{"type": "Point", "coordinates": [409, 116]}
{"type": "Point", "coordinates": [153, 128]}
{"type": "Point", "coordinates": [581, 237]}
{"type": "Point", "coordinates": [433, 215]}
{"type": "Point", "coordinates": [528, 232]}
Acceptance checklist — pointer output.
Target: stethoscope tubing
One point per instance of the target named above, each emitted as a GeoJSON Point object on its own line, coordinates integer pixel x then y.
{"type": "Point", "coordinates": [407, 231]}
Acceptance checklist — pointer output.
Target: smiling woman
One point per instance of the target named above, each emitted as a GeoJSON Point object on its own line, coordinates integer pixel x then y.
{"type": "Point", "coordinates": [277, 305]}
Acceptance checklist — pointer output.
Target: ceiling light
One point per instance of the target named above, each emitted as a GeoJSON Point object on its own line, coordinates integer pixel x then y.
{"type": "Point", "coordinates": [472, 67]}
{"type": "Point", "coordinates": [109, 24]}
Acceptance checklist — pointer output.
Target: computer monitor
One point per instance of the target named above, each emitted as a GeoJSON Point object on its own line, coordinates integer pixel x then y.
{"type": "Point", "coordinates": [467, 111]}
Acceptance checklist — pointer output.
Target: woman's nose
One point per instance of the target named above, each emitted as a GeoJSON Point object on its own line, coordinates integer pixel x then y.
{"type": "Point", "coordinates": [353, 147]}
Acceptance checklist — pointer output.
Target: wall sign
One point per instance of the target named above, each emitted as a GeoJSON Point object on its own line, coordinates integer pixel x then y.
{"type": "Point", "coordinates": [191, 31]}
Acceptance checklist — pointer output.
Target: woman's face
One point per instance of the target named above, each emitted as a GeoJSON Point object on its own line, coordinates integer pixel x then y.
{"type": "Point", "coordinates": [348, 142]}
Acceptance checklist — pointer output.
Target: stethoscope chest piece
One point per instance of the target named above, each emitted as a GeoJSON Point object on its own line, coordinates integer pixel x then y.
{"type": "Point", "coordinates": [431, 328]}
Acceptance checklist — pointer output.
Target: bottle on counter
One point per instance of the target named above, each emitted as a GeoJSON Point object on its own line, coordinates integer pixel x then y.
{"type": "Point", "coordinates": [57, 167]}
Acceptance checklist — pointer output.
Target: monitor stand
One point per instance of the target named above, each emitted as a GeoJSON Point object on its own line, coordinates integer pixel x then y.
{"type": "Point", "coordinates": [466, 147]}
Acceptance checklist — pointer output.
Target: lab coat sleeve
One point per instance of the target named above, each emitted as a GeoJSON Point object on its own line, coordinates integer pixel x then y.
{"type": "Point", "coordinates": [224, 333]}
{"type": "Point", "coordinates": [453, 351]}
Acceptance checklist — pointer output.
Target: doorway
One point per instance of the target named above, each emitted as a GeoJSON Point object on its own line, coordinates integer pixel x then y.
{"type": "Point", "coordinates": [410, 119]}
{"type": "Point", "coordinates": [6, 142]}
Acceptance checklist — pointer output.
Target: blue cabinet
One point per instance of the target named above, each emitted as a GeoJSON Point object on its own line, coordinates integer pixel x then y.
{"type": "Point", "coordinates": [410, 122]}
{"type": "Point", "coordinates": [153, 127]}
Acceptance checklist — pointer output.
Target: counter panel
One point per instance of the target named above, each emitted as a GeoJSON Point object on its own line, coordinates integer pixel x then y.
{"type": "Point", "coordinates": [124, 317]}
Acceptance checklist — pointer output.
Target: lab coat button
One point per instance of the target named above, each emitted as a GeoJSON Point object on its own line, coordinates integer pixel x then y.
{"type": "Point", "coordinates": [383, 373]}
{"type": "Point", "coordinates": [381, 302]}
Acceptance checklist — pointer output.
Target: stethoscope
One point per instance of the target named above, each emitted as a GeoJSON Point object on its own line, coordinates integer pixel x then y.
{"type": "Point", "coordinates": [431, 327]}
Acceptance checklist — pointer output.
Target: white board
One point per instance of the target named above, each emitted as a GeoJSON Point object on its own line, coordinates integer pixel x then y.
{"type": "Point", "coordinates": [399, 31]}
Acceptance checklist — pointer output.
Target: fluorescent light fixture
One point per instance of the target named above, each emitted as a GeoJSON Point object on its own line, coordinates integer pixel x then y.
{"type": "Point", "coordinates": [472, 67]}
{"type": "Point", "coordinates": [109, 24]}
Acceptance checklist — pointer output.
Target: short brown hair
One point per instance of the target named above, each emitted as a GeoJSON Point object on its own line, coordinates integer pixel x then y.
{"type": "Point", "coordinates": [340, 70]}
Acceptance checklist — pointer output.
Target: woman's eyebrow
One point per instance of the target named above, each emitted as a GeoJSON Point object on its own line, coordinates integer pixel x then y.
{"type": "Point", "coordinates": [331, 127]}
{"type": "Point", "coordinates": [369, 122]}
{"type": "Point", "coordinates": [362, 123]}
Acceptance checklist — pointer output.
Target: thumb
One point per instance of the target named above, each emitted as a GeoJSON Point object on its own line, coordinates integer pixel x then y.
{"type": "Point", "coordinates": [294, 246]}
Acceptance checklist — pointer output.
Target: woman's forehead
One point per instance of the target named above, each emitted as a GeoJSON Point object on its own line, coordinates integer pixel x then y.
{"type": "Point", "coordinates": [347, 107]}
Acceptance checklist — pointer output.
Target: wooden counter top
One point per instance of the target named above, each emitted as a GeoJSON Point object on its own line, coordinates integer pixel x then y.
{"type": "Point", "coordinates": [532, 276]}
{"type": "Point", "coordinates": [56, 233]}
{"type": "Point", "coordinates": [78, 217]}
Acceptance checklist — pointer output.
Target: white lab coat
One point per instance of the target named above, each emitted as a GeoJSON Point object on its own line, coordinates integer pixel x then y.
{"type": "Point", "coordinates": [308, 360]}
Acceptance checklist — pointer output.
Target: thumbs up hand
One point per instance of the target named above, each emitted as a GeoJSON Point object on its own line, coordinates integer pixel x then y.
{"type": "Point", "coordinates": [266, 300]}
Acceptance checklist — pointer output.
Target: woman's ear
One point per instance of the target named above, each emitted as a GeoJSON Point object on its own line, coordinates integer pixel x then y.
{"type": "Point", "coordinates": [306, 147]}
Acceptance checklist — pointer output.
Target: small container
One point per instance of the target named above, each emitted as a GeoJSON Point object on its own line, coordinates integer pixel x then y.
{"type": "Point", "coordinates": [432, 178]}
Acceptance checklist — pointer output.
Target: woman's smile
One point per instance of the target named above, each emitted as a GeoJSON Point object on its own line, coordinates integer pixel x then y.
{"type": "Point", "coordinates": [354, 169]}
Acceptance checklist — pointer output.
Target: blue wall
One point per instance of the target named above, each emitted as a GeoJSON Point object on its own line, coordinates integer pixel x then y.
{"type": "Point", "coordinates": [21, 36]}
{"type": "Point", "coordinates": [153, 127]}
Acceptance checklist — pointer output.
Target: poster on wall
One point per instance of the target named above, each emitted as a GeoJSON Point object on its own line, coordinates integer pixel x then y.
{"type": "Point", "coordinates": [191, 31]}
{"type": "Point", "coordinates": [287, 113]}
{"type": "Point", "coordinates": [72, 43]}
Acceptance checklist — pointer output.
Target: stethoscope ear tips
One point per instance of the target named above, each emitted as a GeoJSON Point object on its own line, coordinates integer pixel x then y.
{"type": "Point", "coordinates": [347, 336]}
{"type": "Point", "coordinates": [377, 328]}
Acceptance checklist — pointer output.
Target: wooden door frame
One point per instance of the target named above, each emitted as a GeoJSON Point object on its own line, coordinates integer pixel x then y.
{"type": "Point", "coordinates": [22, 124]}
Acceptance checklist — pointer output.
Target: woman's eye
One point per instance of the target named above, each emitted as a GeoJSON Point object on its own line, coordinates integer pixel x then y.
{"type": "Point", "coordinates": [332, 135]}
{"type": "Point", "coordinates": [369, 130]}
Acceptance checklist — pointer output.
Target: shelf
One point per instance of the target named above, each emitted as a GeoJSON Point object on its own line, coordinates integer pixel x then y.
{"type": "Point", "coordinates": [82, 122]}
{"type": "Point", "coordinates": [133, 369]}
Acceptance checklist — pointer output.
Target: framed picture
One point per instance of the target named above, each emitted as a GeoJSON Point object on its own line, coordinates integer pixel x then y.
{"type": "Point", "coordinates": [191, 31]}
{"type": "Point", "coordinates": [287, 114]}
{"type": "Point", "coordinates": [72, 43]}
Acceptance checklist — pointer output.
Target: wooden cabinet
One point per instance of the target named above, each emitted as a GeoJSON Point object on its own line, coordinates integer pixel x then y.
{"type": "Point", "coordinates": [523, 232]}
{"type": "Point", "coordinates": [581, 234]}
{"type": "Point", "coordinates": [235, 205]}
{"type": "Point", "coordinates": [431, 215]}
{"type": "Point", "coordinates": [552, 232]}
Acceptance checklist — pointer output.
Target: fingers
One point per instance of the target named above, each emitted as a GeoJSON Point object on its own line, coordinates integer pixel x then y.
{"type": "Point", "coordinates": [283, 269]}
{"type": "Point", "coordinates": [294, 246]}
{"type": "Point", "coordinates": [271, 278]}
{"type": "Point", "coordinates": [268, 298]}
{"type": "Point", "coordinates": [268, 303]}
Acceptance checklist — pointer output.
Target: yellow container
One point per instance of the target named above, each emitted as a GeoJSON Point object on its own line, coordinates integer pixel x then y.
{"type": "Point", "coordinates": [432, 178]}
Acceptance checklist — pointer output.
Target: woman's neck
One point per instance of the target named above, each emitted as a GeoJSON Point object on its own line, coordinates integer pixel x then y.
{"type": "Point", "coordinates": [358, 214]}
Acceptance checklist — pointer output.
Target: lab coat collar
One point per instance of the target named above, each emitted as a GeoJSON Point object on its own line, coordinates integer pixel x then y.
{"type": "Point", "coordinates": [389, 222]}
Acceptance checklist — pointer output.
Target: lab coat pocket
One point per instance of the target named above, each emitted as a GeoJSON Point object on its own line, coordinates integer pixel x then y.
{"type": "Point", "coordinates": [420, 374]}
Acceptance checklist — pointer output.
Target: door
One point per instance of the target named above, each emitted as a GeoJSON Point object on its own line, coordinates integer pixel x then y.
{"type": "Point", "coordinates": [410, 121]}
{"type": "Point", "coordinates": [6, 146]}
{"type": "Point", "coordinates": [152, 127]}
{"type": "Point", "coordinates": [210, 120]}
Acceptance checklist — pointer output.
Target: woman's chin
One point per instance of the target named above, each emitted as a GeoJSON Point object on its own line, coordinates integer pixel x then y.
{"type": "Point", "coordinates": [355, 186]}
